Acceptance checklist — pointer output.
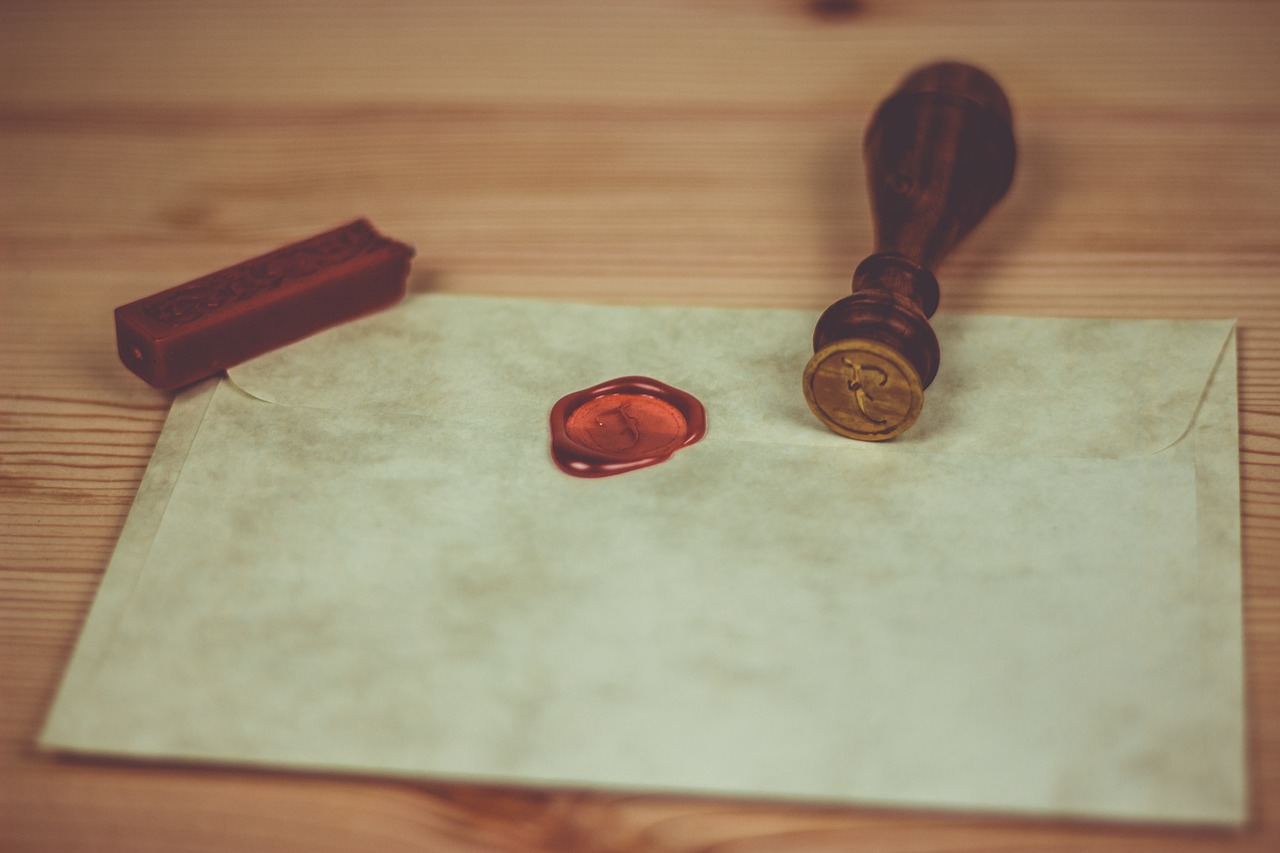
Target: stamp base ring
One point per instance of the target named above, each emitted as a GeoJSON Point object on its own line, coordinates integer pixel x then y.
{"type": "Point", "coordinates": [863, 389]}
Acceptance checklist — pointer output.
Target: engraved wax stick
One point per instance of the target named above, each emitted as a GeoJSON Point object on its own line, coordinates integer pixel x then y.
{"type": "Point", "coordinates": [194, 330]}
{"type": "Point", "coordinates": [939, 153]}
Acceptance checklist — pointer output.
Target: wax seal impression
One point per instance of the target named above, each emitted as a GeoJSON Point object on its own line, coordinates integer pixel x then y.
{"type": "Point", "coordinates": [621, 425]}
{"type": "Point", "coordinates": [863, 389]}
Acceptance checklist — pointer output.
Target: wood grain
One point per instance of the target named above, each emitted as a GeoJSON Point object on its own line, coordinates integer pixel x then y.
{"type": "Point", "coordinates": [699, 152]}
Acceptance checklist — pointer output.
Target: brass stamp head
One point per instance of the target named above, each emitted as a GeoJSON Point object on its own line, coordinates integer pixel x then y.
{"type": "Point", "coordinates": [863, 389]}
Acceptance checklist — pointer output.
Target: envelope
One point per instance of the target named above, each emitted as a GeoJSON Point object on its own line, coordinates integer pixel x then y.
{"type": "Point", "coordinates": [355, 554]}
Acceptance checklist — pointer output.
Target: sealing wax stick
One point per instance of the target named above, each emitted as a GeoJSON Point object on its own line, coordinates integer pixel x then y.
{"type": "Point", "coordinates": [194, 330]}
{"type": "Point", "coordinates": [940, 154]}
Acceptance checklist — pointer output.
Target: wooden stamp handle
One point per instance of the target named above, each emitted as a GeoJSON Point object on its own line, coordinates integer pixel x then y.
{"type": "Point", "coordinates": [940, 154]}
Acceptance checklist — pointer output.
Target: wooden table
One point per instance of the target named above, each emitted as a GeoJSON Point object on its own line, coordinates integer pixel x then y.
{"type": "Point", "coordinates": [693, 152]}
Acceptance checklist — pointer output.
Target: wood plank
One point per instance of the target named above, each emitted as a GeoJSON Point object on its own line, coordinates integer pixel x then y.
{"type": "Point", "coordinates": [1097, 53]}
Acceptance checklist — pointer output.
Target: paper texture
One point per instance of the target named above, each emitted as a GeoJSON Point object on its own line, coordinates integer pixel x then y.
{"type": "Point", "coordinates": [356, 554]}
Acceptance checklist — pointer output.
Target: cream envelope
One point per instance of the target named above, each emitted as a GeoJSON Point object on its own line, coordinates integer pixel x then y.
{"type": "Point", "coordinates": [356, 554]}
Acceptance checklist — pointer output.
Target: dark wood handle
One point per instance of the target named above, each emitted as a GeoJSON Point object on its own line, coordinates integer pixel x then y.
{"type": "Point", "coordinates": [940, 154]}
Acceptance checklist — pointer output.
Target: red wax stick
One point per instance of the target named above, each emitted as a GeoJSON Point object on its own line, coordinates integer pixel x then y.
{"type": "Point", "coordinates": [194, 330]}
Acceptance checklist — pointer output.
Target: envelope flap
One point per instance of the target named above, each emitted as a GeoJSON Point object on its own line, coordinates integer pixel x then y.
{"type": "Point", "coordinates": [1007, 386]}
{"type": "Point", "coordinates": [1069, 387]}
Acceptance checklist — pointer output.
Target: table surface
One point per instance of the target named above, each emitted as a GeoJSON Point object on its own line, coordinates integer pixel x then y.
{"type": "Point", "coordinates": [699, 152]}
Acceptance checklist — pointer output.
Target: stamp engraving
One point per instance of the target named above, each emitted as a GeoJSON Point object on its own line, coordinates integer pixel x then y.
{"type": "Point", "coordinates": [616, 430]}
{"type": "Point", "coordinates": [855, 382]}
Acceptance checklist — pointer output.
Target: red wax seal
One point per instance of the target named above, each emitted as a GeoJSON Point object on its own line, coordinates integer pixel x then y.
{"type": "Point", "coordinates": [622, 425]}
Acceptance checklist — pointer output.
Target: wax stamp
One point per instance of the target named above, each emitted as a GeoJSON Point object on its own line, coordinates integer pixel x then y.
{"type": "Point", "coordinates": [940, 154]}
{"type": "Point", "coordinates": [622, 425]}
{"type": "Point", "coordinates": [194, 330]}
